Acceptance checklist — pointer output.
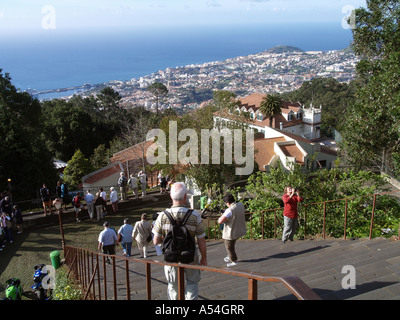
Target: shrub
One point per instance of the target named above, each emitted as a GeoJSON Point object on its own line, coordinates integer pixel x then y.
{"type": "Point", "coordinates": [357, 187]}
{"type": "Point", "coordinates": [65, 288]}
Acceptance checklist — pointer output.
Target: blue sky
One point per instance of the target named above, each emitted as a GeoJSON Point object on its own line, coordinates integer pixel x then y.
{"type": "Point", "coordinates": [37, 15]}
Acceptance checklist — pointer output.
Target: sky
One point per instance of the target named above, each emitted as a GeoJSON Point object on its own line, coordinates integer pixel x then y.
{"type": "Point", "coordinates": [28, 16]}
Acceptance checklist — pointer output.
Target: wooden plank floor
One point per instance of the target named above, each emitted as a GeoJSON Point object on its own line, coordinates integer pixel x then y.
{"type": "Point", "coordinates": [318, 263]}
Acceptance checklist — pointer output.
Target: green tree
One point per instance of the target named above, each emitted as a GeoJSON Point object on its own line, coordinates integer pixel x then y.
{"type": "Point", "coordinates": [159, 92]}
{"type": "Point", "coordinates": [24, 159]}
{"type": "Point", "coordinates": [271, 106]}
{"type": "Point", "coordinates": [376, 32]}
{"type": "Point", "coordinates": [68, 127]}
{"type": "Point", "coordinates": [76, 169]}
{"type": "Point", "coordinates": [100, 157]}
{"type": "Point", "coordinates": [333, 96]}
{"type": "Point", "coordinates": [224, 99]}
{"type": "Point", "coordinates": [265, 192]}
{"type": "Point", "coordinates": [202, 173]}
{"type": "Point", "coordinates": [371, 131]}
{"type": "Point", "coordinates": [109, 100]}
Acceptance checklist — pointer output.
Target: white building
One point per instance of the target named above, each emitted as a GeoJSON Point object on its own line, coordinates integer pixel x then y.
{"type": "Point", "coordinates": [289, 137]}
{"type": "Point", "coordinates": [294, 118]}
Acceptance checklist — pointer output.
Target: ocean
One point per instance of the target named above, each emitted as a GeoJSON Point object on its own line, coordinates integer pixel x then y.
{"type": "Point", "coordinates": [59, 59]}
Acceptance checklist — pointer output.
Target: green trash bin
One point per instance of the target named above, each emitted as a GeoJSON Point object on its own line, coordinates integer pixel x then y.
{"type": "Point", "coordinates": [203, 202]}
{"type": "Point", "coordinates": [55, 259]}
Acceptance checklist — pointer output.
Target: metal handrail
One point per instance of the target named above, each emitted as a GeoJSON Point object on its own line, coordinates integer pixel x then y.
{"type": "Point", "coordinates": [79, 256]}
{"type": "Point", "coordinates": [324, 203]}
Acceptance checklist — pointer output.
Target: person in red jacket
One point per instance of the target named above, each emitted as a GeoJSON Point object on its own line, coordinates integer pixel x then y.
{"type": "Point", "coordinates": [290, 200]}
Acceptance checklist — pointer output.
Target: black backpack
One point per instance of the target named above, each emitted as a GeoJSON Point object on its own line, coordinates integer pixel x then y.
{"type": "Point", "coordinates": [45, 194]}
{"type": "Point", "coordinates": [124, 182]}
{"type": "Point", "coordinates": [179, 245]}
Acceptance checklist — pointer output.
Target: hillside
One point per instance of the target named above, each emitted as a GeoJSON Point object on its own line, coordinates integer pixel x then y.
{"type": "Point", "coordinates": [282, 49]}
{"type": "Point", "coordinates": [277, 70]}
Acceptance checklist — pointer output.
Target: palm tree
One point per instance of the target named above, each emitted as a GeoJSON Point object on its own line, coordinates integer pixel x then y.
{"type": "Point", "coordinates": [271, 106]}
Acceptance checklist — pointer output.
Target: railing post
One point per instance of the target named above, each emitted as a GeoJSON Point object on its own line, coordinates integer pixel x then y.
{"type": "Point", "coordinates": [262, 225]}
{"type": "Point", "coordinates": [345, 219]}
{"type": "Point", "coordinates": [98, 275]}
{"type": "Point", "coordinates": [305, 222]}
{"type": "Point", "coordinates": [251, 225]}
{"type": "Point", "coordinates": [128, 288]}
{"type": "Point", "coordinates": [80, 276]}
{"type": "Point", "coordinates": [324, 219]}
{"type": "Point", "coordinates": [114, 277]}
{"type": "Point", "coordinates": [86, 266]}
{"type": "Point", "coordinates": [148, 280]}
{"type": "Point", "coordinates": [372, 217]}
{"type": "Point", "coordinates": [105, 277]}
{"type": "Point", "coordinates": [181, 283]}
{"type": "Point", "coordinates": [253, 289]}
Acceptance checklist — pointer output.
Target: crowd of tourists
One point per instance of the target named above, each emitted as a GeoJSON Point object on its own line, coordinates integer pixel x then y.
{"type": "Point", "coordinates": [159, 233]}
{"type": "Point", "coordinates": [10, 215]}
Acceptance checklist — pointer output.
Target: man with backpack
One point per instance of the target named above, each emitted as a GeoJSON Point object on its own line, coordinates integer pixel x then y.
{"type": "Point", "coordinates": [184, 222]}
{"type": "Point", "coordinates": [45, 195]}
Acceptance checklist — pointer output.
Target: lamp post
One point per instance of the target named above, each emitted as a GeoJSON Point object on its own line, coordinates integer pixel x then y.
{"type": "Point", "coordinates": [58, 205]}
{"type": "Point", "coordinates": [10, 188]}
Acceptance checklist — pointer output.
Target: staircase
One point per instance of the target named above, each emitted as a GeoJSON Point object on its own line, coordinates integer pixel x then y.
{"type": "Point", "coordinates": [318, 263]}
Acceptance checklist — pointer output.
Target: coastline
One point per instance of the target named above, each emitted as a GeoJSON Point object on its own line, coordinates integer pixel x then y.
{"type": "Point", "coordinates": [60, 58]}
{"type": "Point", "coordinates": [279, 69]}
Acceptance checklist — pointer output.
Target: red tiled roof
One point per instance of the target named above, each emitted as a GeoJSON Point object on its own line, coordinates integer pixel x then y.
{"type": "Point", "coordinates": [132, 153]}
{"type": "Point", "coordinates": [254, 101]}
{"type": "Point", "coordinates": [265, 150]}
{"type": "Point", "coordinates": [103, 173]}
{"type": "Point", "coordinates": [292, 150]}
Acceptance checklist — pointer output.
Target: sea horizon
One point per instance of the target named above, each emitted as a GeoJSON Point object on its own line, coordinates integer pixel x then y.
{"type": "Point", "coordinates": [58, 59]}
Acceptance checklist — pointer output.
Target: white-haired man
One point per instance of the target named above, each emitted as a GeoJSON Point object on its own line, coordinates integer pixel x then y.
{"type": "Point", "coordinates": [196, 229]}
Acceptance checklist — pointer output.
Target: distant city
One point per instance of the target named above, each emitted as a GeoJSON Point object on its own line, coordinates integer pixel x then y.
{"type": "Point", "coordinates": [277, 70]}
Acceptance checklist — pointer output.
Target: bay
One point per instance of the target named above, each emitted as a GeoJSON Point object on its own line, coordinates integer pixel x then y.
{"type": "Point", "coordinates": [64, 58]}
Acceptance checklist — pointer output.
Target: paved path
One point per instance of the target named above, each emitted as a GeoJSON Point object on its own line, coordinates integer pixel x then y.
{"type": "Point", "coordinates": [318, 263]}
